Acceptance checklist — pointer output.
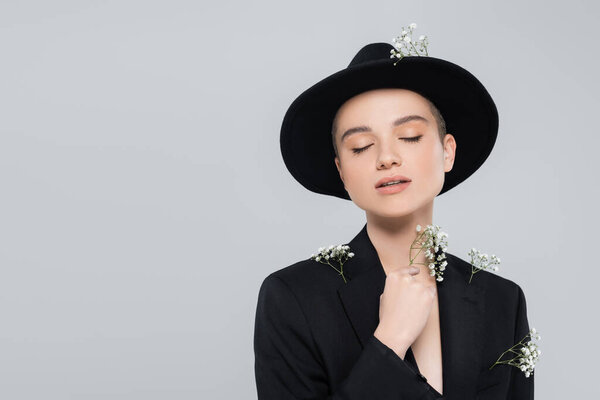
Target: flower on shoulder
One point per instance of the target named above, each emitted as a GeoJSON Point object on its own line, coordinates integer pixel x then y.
{"type": "Point", "coordinates": [404, 45]}
{"type": "Point", "coordinates": [525, 355]}
{"type": "Point", "coordinates": [481, 261]}
{"type": "Point", "coordinates": [431, 238]}
{"type": "Point", "coordinates": [338, 254]}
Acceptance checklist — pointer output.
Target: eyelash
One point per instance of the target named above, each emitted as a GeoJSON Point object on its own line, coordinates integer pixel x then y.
{"type": "Point", "coordinates": [410, 140]}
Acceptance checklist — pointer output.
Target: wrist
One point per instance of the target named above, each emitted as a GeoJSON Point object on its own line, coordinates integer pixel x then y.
{"type": "Point", "coordinates": [397, 344]}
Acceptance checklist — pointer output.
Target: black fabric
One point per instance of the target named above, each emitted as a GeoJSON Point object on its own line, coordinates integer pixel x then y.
{"type": "Point", "coordinates": [313, 334]}
{"type": "Point", "coordinates": [410, 358]}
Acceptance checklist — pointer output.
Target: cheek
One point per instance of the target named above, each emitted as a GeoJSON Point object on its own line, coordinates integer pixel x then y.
{"type": "Point", "coordinates": [429, 165]}
{"type": "Point", "coordinates": [356, 175]}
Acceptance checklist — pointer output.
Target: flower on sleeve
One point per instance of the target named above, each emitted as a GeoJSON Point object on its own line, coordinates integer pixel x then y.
{"type": "Point", "coordinates": [338, 254]}
{"type": "Point", "coordinates": [525, 355]}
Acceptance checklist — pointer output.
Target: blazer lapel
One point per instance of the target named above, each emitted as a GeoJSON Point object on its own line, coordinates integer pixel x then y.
{"type": "Point", "coordinates": [461, 309]}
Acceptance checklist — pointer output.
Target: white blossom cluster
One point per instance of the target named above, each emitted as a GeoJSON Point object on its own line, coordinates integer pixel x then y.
{"type": "Point", "coordinates": [531, 353]}
{"type": "Point", "coordinates": [405, 46]}
{"type": "Point", "coordinates": [433, 238]}
{"type": "Point", "coordinates": [527, 355]}
{"type": "Point", "coordinates": [481, 261]}
{"type": "Point", "coordinates": [339, 253]}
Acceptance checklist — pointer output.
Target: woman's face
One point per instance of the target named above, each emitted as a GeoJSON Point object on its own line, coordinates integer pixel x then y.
{"type": "Point", "coordinates": [389, 151]}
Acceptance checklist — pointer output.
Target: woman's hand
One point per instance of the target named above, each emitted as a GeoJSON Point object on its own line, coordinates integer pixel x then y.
{"type": "Point", "coordinates": [404, 308]}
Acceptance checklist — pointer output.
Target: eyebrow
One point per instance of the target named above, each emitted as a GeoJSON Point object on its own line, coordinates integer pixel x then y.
{"type": "Point", "coordinates": [397, 122]}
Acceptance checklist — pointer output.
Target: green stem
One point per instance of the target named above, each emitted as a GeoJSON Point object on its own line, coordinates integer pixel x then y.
{"type": "Point", "coordinates": [412, 248]}
{"type": "Point", "coordinates": [512, 349]}
{"type": "Point", "coordinates": [339, 271]}
{"type": "Point", "coordinates": [413, 46]}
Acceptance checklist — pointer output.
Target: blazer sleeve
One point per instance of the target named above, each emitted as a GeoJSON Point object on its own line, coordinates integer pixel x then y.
{"type": "Point", "coordinates": [521, 387]}
{"type": "Point", "coordinates": [288, 364]}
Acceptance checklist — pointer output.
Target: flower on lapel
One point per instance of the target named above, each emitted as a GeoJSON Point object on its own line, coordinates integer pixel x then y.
{"type": "Point", "coordinates": [481, 261]}
{"type": "Point", "coordinates": [339, 253]}
{"type": "Point", "coordinates": [405, 46]}
{"type": "Point", "coordinates": [431, 237]}
{"type": "Point", "coordinates": [525, 356]}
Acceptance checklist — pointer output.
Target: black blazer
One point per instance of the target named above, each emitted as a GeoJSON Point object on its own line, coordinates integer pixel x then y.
{"type": "Point", "coordinates": [313, 334]}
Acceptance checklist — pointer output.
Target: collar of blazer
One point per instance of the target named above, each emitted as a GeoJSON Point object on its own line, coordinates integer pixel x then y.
{"type": "Point", "coordinates": [461, 309]}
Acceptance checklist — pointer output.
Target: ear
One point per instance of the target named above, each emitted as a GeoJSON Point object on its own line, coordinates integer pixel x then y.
{"type": "Point", "coordinates": [449, 152]}
{"type": "Point", "coordinates": [339, 167]}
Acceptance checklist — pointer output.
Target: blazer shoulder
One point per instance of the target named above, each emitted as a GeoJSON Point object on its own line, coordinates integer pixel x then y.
{"type": "Point", "coordinates": [494, 284]}
{"type": "Point", "coordinates": [308, 277]}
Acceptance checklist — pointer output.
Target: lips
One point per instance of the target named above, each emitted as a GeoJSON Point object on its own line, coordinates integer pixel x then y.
{"type": "Point", "coordinates": [391, 179]}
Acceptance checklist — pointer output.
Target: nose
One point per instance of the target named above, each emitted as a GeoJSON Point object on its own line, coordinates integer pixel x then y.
{"type": "Point", "coordinates": [387, 158]}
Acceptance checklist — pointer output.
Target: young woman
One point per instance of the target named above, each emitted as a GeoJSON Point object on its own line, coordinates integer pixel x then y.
{"type": "Point", "coordinates": [390, 137]}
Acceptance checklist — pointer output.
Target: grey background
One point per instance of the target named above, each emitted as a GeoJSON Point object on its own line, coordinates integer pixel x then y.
{"type": "Point", "coordinates": [144, 198]}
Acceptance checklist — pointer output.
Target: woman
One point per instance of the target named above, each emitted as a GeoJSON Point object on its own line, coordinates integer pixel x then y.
{"type": "Point", "coordinates": [384, 329]}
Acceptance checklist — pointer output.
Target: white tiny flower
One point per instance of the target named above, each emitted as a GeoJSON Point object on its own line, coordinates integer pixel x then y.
{"type": "Point", "coordinates": [413, 26]}
{"type": "Point", "coordinates": [407, 39]}
{"type": "Point", "coordinates": [337, 253]}
{"type": "Point", "coordinates": [530, 352]}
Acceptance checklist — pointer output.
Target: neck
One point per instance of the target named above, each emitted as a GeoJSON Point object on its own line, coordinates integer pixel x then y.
{"type": "Point", "coordinates": [393, 238]}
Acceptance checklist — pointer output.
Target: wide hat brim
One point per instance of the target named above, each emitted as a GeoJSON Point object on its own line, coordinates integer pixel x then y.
{"type": "Point", "coordinates": [467, 107]}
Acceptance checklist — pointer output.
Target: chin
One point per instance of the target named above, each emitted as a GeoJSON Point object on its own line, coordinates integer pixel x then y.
{"type": "Point", "coordinates": [391, 213]}
{"type": "Point", "coordinates": [389, 209]}
{"type": "Point", "coordinates": [386, 206]}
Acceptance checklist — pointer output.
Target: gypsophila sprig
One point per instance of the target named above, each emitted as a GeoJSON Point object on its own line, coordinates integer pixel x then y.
{"type": "Point", "coordinates": [338, 254]}
{"type": "Point", "coordinates": [431, 238]}
{"type": "Point", "coordinates": [525, 356]}
{"type": "Point", "coordinates": [404, 45]}
{"type": "Point", "coordinates": [481, 261]}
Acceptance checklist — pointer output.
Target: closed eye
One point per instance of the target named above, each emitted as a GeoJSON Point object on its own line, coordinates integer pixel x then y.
{"type": "Point", "coordinates": [414, 139]}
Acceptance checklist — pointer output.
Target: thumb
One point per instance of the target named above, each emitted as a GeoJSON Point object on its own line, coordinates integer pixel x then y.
{"type": "Point", "coordinates": [432, 290]}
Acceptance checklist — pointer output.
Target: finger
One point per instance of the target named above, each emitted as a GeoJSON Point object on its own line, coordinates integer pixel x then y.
{"type": "Point", "coordinates": [433, 290]}
{"type": "Point", "coordinates": [414, 270]}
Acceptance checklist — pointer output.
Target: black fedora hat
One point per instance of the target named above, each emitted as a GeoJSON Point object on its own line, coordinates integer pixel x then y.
{"type": "Point", "coordinates": [466, 106]}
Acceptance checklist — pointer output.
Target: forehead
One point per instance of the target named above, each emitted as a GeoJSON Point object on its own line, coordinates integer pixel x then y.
{"type": "Point", "coordinates": [387, 99]}
{"type": "Point", "coordinates": [381, 106]}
